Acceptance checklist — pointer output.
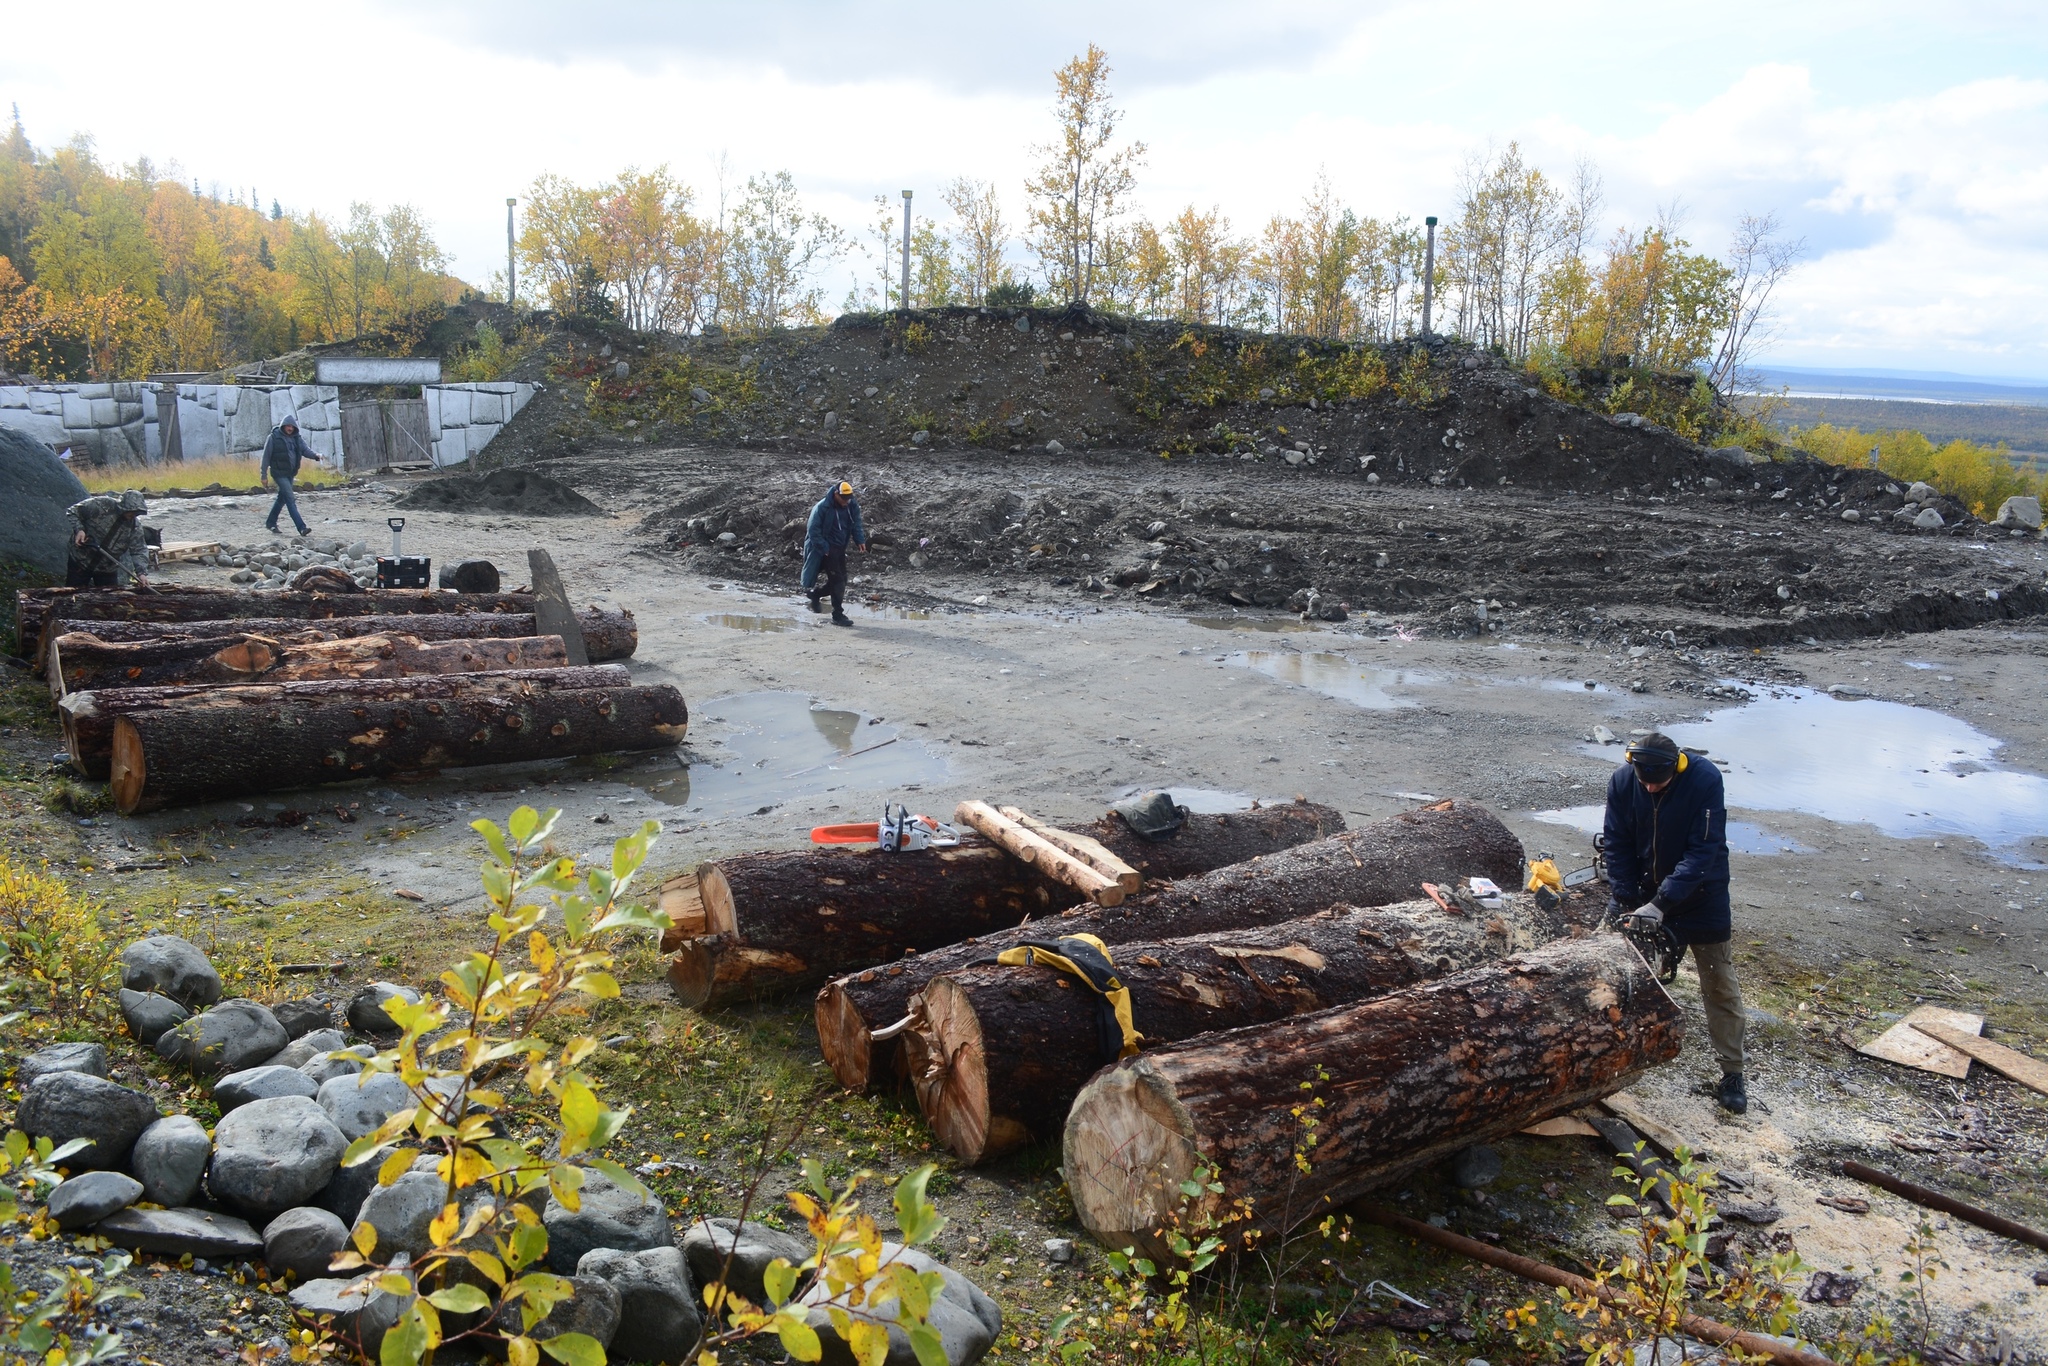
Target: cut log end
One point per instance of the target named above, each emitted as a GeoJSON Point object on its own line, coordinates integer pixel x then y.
{"type": "Point", "coordinates": [716, 895]}
{"type": "Point", "coordinates": [952, 1081]}
{"type": "Point", "coordinates": [717, 970]}
{"type": "Point", "coordinates": [1127, 1156]}
{"type": "Point", "coordinates": [843, 1038]}
{"type": "Point", "coordinates": [129, 775]}
{"type": "Point", "coordinates": [691, 973]}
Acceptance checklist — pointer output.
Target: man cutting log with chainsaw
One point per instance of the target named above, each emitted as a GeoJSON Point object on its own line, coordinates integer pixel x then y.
{"type": "Point", "coordinates": [1666, 850]}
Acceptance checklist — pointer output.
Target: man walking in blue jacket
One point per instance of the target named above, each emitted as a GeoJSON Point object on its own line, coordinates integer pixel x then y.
{"type": "Point", "coordinates": [281, 457]}
{"type": "Point", "coordinates": [835, 524]}
{"type": "Point", "coordinates": [1666, 848]}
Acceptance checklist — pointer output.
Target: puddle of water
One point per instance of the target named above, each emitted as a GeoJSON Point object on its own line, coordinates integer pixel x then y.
{"type": "Point", "coordinates": [1745, 837]}
{"type": "Point", "coordinates": [1334, 675]}
{"type": "Point", "coordinates": [1237, 623]}
{"type": "Point", "coordinates": [772, 747]}
{"type": "Point", "coordinates": [1575, 685]}
{"type": "Point", "coordinates": [1203, 801]}
{"type": "Point", "coordinates": [739, 621]}
{"type": "Point", "coordinates": [1909, 771]}
{"type": "Point", "coordinates": [1919, 664]}
{"type": "Point", "coordinates": [860, 609]}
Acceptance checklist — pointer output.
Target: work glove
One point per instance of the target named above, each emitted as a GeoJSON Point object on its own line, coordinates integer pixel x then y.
{"type": "Point", "coordinates": [1650, 914]}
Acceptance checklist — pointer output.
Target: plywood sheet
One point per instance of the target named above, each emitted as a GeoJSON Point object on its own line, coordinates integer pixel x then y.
{"type": "Point", "coordinates": [1904, 1044]}
{"type": "Point", "coordinates": [2029, 1072]}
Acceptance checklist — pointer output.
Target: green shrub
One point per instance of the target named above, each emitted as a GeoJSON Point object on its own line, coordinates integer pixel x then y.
{"type": "Point", "coordinates": [1015, 294]}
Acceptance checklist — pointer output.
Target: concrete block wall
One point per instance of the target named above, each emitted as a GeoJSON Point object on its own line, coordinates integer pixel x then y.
{"type": "Point", "coordinates": [116, 424]}
{"type": "Point", "coordinates": [464, 417]}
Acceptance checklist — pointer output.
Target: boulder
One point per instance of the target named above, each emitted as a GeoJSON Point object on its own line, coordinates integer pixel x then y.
{"type": "Point", "coordinates": [2020, 510]}
{"type": "Point", "coordinates": [658, 1316]}
{"type": "Point", "coordinates": [1929, 520]}
{"type": "Point", "coordinates": [303, 1241]}
{"type": "Point", "coordinates": [401, 1211]}
{"type": "Point", "coordinates": [592, 1308]}
{"type": "Point", "coordinates": [366, 1009]}
{"type": "Point", "coordinates": [362, 1314]}
{"type": "Point", "coordinates": [359, 1103]}
{"type": "Point", "coordinates": [1921, 492]}
{"type": "Point", "coordinates": [306, 1047]}
{"type": "Point", "coordinates": [226, 1038]}
{"type": "Point", "coordinates": [151, 1016]}
{"type": "Point", "coordinates": [342, 1062]}
{"type": "Point", "coordinates": [259, 1083]}
{"type": "Point", "coordinates": [1475, 1167]}
{"type": "Point", "coordinates": [350, 1186]}
{"type": "Point", "coordinates": [35, 489]}
{"type": "Point", "coordinates": [173, 1232]}
{"type": "Point", "coordinates": [91, 1197]}
{"type": "Point", "coordinates": [170, 1160]}
{"type": "Point", "coordinates": [66, 1105]}
{"type": "Point", "coordinates": [471, 576]}
{"type": "Point", "coordinates": [966, 1319]}
{"type": "Point", "coordinates": [272, 1154]}
{"type": "Point", "coordinates": [300, 1018]}
{"type": "Point", "coordinates": [89, 1058]}
{"type": "Point", "coordinates": [609, 1216]}
{"type": "Point", "coordinates": [751, 1247]}
{"type": "Point", "coordinates": [173, 967]}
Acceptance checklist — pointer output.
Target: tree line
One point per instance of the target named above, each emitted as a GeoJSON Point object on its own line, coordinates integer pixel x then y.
{"type": "Point", "coordinates": [120, 272]}
{"type": "Point", "coordinates": [1520, 267]}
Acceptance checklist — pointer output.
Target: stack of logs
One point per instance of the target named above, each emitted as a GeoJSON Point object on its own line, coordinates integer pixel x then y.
{"type": "Point", "coordinates": [177, 695]}
{"type": "Point", "coordinates": [1274, 961]}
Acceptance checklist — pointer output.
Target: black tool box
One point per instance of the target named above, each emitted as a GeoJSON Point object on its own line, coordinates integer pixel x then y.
{"type": "Point", "coordinates": [407, 571]}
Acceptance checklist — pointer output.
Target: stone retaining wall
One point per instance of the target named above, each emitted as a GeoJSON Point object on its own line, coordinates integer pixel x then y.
{"type": "Point", "coordinates": [464, 417]}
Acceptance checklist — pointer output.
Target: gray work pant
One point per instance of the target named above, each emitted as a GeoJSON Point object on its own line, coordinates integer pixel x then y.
{"type": "Point", "coordinates": [1723, 1000]}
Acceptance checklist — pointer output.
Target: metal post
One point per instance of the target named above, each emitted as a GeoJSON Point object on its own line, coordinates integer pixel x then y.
{"type": "Point", "coordinates": [511, 285]}
{"type": "Point", "coordinates": [1428, 273]}
{"type": "Point", "coordinates": [906, 249]}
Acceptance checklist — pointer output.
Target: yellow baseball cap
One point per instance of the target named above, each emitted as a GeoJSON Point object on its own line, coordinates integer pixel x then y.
{"type": "Point", "coordinates": [845, 490]}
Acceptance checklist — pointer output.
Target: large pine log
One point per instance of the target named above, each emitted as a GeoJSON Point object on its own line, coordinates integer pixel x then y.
{"type": "Point", "coordinates": [803, 916]}
{"type": "Point", "coordinates": [225, 743]}
{"type": "Point", "coordinates": [1384, 862]}
{"type": "Point", "coordinates": [81, 662]}
{"type": "Point", "coordinates": [608, 632]}
{"type": "Point", "coordinates": [36, 608]}
{"type": "Point", "coordinates": [88, 717]}
{"type": "Point", "coordinates": [1403, 1081]}
{"type": "Point", "coordinates": [998, 1053]}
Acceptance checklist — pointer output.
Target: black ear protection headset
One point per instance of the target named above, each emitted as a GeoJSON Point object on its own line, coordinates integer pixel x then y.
{"type": "Point", "coordinates": [1654, 756]}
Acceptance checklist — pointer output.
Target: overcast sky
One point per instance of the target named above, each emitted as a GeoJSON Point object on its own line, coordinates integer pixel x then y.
{"type": "Point", "coordinates": [1907, 143]}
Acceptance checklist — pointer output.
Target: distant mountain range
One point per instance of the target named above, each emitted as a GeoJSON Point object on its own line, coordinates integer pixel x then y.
{"type": "Point", "coordinates": [1921, 386]}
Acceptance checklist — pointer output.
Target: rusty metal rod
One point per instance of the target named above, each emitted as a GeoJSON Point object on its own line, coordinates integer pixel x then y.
{"type": "Point", "coordinates": [1947, 1204]}
{"type": "Point", "coordinates": [1707, 1330]}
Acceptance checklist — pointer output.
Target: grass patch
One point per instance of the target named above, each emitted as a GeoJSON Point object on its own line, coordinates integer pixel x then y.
{"type": "Point", "coordinates": [232, 471]}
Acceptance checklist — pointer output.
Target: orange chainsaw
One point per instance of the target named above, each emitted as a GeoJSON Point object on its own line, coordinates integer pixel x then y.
{"type": "Point", "coordinates": [897, 832]}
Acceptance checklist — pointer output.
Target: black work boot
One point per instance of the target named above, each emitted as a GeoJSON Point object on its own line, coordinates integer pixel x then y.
{"type": "Point", "coordinates": [816, 606]}
{"type": "Point", "coordinates": [1733, 1094]}
{"type": "Point", "coordinates": [840, 618]}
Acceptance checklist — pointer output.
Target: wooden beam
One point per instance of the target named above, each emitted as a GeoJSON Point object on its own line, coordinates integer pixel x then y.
{"type": "Point", "coordinates": [1089, 851]}
{"type": "Point", "coordinates": [1040, 853]}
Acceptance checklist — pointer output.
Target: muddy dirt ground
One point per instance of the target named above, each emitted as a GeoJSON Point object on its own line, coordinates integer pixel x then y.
{"type": "Point", "coordinates": [982, 663]}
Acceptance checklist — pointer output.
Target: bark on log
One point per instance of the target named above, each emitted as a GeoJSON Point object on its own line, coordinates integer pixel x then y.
{"type": "Point", "coordinates": [226, 743]}
{"type": "Point", "coordinates": [88, 717]}
{"type": "Point", "coordinates": [999, 1053]}
{"type": "Point", "coordinates": [823, 912]}
{"type": "Point", "coordinates": [81, 662]}
{"type": "Point", "coordinates": [1041, 853]}
{"type": "Point", "coordinates": [1384, 862]}
{"type": "Point", "coordinates": [35, 608]}
{"type": "Point", "coordinates": [1404, 1081]}
{"type": "Point", "coordinates": [608, 632]}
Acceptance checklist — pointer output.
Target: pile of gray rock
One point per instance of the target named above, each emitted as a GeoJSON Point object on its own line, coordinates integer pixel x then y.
{"type": "Point", "coordinates": [268, 1185]}
{"type": "Point", "coordinates": [272, 566]}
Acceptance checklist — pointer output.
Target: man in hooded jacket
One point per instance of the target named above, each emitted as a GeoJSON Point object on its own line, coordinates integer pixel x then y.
{"type": "Point", "coordinates": [835, 524]}
{"type": "Point", "coordinates": [108, 543]}
{"type": "Point", "coordinates": [281, 457]}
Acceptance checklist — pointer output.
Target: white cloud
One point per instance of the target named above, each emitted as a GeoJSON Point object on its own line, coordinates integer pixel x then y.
{"type": "Point", "coordinates": [1904, 145]}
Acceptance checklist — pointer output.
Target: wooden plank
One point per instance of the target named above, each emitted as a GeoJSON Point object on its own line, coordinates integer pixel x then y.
{"type": "Point", "coordinates": [1904, 1044]}
{"type": "Point", "coordinates": [1089, 851]}
{"type": "Point", "coordinates": [1662, 1136]}
{"type": "Point", "coordinates": [551, 612]}
{"type": "Point", "coordinates": [407, 433]}
{"type": "Point", "coordinates": [1048, 858]}
{"type": "Point", "coordinates": [2010, 1062]}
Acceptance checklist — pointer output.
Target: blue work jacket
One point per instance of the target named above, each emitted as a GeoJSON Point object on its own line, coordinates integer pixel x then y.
{"type": "Point", "coordinates": [1671, 847]}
